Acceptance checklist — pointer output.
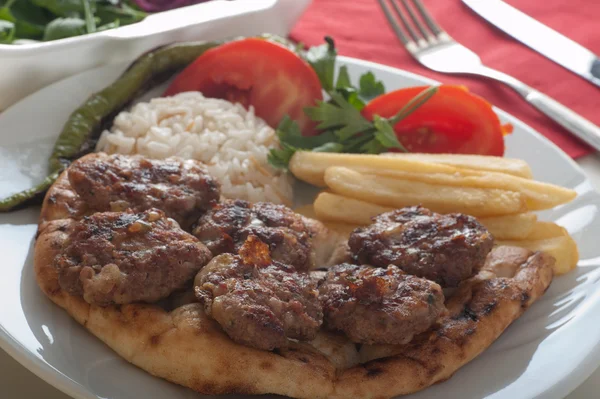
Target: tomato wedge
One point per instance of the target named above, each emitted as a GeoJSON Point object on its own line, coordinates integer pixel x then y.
{"type": "Point", "coordinates": [453, 120]}
{"type": "Point", "coordinates": [255, 72]}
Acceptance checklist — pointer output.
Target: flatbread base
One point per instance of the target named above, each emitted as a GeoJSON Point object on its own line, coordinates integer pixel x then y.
{"type": "Point", "coordinates": [185, 347]}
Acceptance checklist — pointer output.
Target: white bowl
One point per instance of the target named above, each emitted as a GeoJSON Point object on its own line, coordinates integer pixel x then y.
{"type": "Point", "coordinates": [29, 67]}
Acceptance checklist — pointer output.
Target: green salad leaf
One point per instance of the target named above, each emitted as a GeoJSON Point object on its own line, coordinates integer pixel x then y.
{"type": "Point", "coordinates": [111, 25]}
{"type": "Point", "coordinates": [62, 8]}
{"type": "Point", "coordinates": [6, 12]}
{"type": "Point", "coordinates": [90, 22]}
{"type": "Point", "coordinates": [7, 31]}
{"type": "Point", "coordinates": [61, 28]}
{"type": "Point", "coordinates": [125, 14]}
{"type": "Point", "coordinates": [59, 19]}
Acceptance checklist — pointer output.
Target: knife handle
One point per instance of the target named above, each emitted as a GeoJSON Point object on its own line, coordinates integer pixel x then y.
{"type": "Point", "coordinates": [567, 118]}
{"type": "Point", "coordinates": [570, 120]}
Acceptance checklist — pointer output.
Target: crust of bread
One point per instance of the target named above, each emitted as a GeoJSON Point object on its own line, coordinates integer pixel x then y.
{"type": "Point", "coordinates": [185, 347]}
{"type": "Point", "coordinates": [61, 201]}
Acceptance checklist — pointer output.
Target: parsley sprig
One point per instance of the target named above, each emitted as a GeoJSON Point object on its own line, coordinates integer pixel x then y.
{"type": "Point", "coordinates": [342, 127]}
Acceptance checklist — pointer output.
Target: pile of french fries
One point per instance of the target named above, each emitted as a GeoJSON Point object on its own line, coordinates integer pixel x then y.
{"type": "Point", "coordinates": [500, 192]}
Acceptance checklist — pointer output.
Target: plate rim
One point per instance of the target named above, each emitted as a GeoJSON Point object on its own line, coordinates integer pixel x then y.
{"type": "Point", "coordinates": [54, 377]}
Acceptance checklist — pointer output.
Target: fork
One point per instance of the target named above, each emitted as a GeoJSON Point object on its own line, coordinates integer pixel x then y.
{"type": "Point", "coordinates": [435, 49]}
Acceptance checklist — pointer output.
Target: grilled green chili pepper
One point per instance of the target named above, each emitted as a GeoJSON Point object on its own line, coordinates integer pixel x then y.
{"type": "Point", "coordinates": [80, 133]}
{"type": "Point", "coordinates": [83, 128]}
{"type": "Point", "coordinates": [29, 196]}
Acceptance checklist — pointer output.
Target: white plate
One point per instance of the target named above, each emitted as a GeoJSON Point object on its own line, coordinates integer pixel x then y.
{"type": "Point", "coordinates": [29, 67]}
{"type": "Point", "coordinates": [545, 354]}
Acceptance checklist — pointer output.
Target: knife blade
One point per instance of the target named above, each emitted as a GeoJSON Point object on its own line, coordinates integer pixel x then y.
{"type": "Point", "coordinates": [539, 37]}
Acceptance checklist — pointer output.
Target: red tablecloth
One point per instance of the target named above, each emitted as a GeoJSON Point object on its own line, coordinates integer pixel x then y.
{"type": "Point", "coordinates": [361, 30]}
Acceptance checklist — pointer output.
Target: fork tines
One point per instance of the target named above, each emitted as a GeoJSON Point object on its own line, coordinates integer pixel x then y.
{"type": "Point", "coordinates": [400, 17]}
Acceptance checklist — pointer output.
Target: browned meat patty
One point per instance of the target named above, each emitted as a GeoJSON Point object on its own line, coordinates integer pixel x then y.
{"type": "Point", "coordinates": [373, 305]}
{"type": "Point", "coordinates": [259, 302]}
{"type": "Point", "coordinates": [227, 226]}
{"type": "Point", "coordinates": [444, 248]}
{"type": "Point", "coordinates": [182, 189]}
{"type": "Point", "coordinates": [124, 257]}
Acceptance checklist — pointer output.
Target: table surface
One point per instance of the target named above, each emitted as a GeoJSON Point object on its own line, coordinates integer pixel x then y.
{"type": "Point", "coordinates": [17, 381]}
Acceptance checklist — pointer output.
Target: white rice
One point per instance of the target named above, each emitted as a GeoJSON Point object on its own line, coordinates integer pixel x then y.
{"type": "Point", "coordinates": [230, 140]}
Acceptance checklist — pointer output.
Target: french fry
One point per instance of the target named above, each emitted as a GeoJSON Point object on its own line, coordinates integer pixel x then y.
{"type": "Point", "coordinates": [538, 195]}
{"type": "Point", "coordinates": [339, 227]}
{"type": "Point", "coordinates": [398, 193]}
{"type": "Point", "coordinates": [310, 166]}
{"type": "Point", "coordinates": [543, 230]}
{"type": "Point", "coordinates": [563, 249]}
{"type": "Point", "coordinates": [515, 167]}
{"type": "Point", "coordinates": [337, 208]}
{"type": "Point", "coordinates": [511, 227]}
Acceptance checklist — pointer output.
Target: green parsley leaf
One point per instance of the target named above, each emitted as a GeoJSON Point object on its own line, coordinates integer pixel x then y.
{"type": "Point", "coordinates": [329, 147]}
{"type": "Point", "coordinates": [322, 59]}
{"type": "Point", "coordinates": [372, 147]}
{"type": "Point", "coordinates": [291, 140]}
{"type": "Point", "coordinates": [370, 87]}
{"type": "Point", "coordinates": [385, 134]}
{"type": "Point", "coordinates": [414, 104]}
{"type": "Point", "coordinates": [343, 80]}
{"type": "Point", "coordinates": [338, 115]}
{"type": "Point", "coordinates": [280, 158]}
{"type": "Point", "coordinates": [351, 96]}
{"type": "Point", "coordinates": [289, 132]}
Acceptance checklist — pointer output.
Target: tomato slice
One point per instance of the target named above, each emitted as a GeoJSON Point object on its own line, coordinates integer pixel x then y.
{"type": "Point", "coordinates": [453, 120]}
{"type": "Point", "coordinates": [255, 72]}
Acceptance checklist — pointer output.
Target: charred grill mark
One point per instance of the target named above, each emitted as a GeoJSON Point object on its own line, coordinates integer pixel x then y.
{"type": "Point", "coordinates": [487, 309]}
{"type": "Point", "coordinates": [374, 372]}
{"type": "Point", "coordinates": [525, 299]}
{"type": "Point", "coordinates": [467, 313]}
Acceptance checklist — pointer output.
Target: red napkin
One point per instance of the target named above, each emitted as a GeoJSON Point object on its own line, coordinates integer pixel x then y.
{"type": "Point", "coordinates": [361, 30]}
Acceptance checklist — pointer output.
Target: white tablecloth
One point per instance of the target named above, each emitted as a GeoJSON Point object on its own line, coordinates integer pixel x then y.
{"type": "Point", "coordinates": [18, 382]}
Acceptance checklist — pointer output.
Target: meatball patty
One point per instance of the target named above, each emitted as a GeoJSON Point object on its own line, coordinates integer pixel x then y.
{"type": "Point", "coordinates": [257, 301]}
{"type": "Point", "coordinates": [373, 305]}
{"type": "Point", "coordinates": [124, 257]}
{"type": "Point", "coordinates": [443, 248]}
{"type": "Point", "coordinates": [227, 226]}
{"type": "Point", "coordinates": [182, 189]}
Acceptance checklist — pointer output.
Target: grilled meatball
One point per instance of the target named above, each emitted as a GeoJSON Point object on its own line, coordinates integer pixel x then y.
{"type": "Point", "coordinates": [373, 305]}
{"type": "Point", "coordinates": [182, 189]}
{"type": "Point", "coordinates": [227, 226]}
{"type": "Point", "coordinates": [444, 248]}
{"type": "Point", "coordinates": [259, 302]}
{"type": "Point", "coordinates": [124, 257]}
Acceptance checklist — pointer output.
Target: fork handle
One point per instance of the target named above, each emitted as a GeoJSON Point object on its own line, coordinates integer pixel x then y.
{"type": "Point", "coordinates": [567, 118]}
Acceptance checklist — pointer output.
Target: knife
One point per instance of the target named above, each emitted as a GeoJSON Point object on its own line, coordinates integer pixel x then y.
{"type": "Point", "coordinates": [539, 37]}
